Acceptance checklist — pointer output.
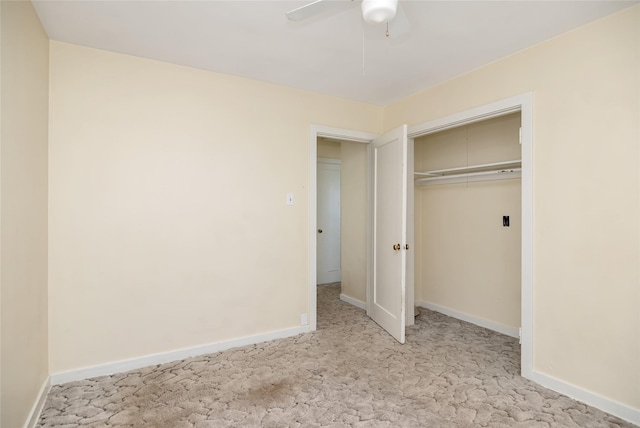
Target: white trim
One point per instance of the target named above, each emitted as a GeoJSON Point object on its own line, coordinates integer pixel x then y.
{"type": "Point", "coordinates": [410, 288]}
{"type": "Point", "coordinates": [355, 302]}
{"type": "Point", "coordinates": [524, 104]}
{"type": "Point", "coordinates": [477, 114]}
{"type": "Point", "coordinates": [341, 134]}
{"type": "Point", "coordinates": [36, 409]}
{"type": "Point", "coordinates": [482, 322]}
{"type": "Point", "coordinates": [526, 194]}
{"type": "Point", "coordinates": [608, 405]}
{"type": "Point", "coordinates": [167, 357]}
{"type": "Point", "coordinates": [369, 230]}
{"type": "Point", "coordinates": [338, 134]}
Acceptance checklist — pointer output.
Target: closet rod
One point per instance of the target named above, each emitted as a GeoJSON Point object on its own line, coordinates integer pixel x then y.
{"type": "Point", "coordinates": [469, 174]}
{"type": "Point", "coordinates": [470, 168]}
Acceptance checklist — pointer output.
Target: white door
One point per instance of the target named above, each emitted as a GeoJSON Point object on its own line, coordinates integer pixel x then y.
{"type": "Point", "coordinates": [388, 285]}
{"type": "Point", "coordinates": [328, 234]}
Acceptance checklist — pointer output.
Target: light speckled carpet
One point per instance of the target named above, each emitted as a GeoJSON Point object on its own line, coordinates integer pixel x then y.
{"type": "Point", "coordinates": [349, 373]}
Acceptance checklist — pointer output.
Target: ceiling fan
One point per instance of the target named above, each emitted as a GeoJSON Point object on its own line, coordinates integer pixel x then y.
{"type": "Point", "coordinates": [373, 12]}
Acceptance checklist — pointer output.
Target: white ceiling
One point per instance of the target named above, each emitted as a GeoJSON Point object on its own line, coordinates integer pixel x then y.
{"type": "Point", "coordinates": [334, 53]}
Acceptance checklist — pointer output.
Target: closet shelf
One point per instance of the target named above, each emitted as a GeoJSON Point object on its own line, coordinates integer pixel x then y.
{"type": "Point", "coordinates": [483, 172]}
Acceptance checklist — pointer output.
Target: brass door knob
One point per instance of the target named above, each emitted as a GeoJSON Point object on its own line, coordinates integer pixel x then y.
{"type": "Point", "coordinates": [319, 230]}
{"type": "Point", "coordinates": [396, 247]}
{"type": "Point", "coordinates": [406, 246]}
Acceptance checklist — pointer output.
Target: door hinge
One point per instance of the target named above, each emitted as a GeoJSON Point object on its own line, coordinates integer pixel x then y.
{"type": "Point", "coordinates": [520, 135]}
{"type": "Point", "coordinates": [520, 335]}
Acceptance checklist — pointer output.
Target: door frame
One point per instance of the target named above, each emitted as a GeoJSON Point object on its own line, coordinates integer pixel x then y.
{"type": "Point", "coordinates": [337, 134]}
{"type": "Point", "coordinates": [524, 104]}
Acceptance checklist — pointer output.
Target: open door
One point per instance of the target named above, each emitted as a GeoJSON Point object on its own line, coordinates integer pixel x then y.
{"type": "Point", "coordinates": [388, 282]}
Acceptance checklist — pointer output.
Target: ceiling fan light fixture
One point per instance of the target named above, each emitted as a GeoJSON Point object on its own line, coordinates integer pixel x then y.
{"type": "Point", "coordinates": [378, 11]}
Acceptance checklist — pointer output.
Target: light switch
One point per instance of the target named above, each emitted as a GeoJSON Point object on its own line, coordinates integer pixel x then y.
{"type": "Point", "coordinates": [289, 198]}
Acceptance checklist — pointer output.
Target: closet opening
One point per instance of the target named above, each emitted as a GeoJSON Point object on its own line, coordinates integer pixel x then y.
{"type": "Point", "coordinates": [468, 222]}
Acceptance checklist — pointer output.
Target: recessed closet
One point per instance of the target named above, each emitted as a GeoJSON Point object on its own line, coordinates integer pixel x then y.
{"type": "Point", "coordinates": [468, 222]}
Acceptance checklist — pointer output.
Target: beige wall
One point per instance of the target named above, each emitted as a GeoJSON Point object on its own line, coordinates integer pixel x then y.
{"type": "Point", "coordinates": [354, 225]}
{"type": "Point", "coordinates": [23, 213]}
{"type": "Point", "coordinates": [586, 189]}
{"type": "Point", "coordinates": [149, 242]}
{"type": "Point", "coordinates": [465, 259]}
{"type": "Point", "coordinates": [168, 222]}
{"type": "Point", "coordinates": [328, 149]}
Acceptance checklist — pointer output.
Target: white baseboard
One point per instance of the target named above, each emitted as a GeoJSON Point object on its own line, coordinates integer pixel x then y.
{"type": "Point", "coordinates": [608, 405]}
{"type": "Point", "coordinates": [167, 357]}
{"type": "Point", "coordinates": [491, 325]}
{"type": "Point", "coordinates": [36, 409]}
{"type": "Point", "coordinates": [355, 302]}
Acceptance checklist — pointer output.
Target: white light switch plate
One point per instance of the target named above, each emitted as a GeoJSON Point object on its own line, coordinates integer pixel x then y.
{"type": "Point", "coordinates": [289, 198]}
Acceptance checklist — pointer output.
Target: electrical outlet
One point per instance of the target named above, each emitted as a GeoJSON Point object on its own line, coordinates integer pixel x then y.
{"type": "Point", "coordinates": [303, 319]}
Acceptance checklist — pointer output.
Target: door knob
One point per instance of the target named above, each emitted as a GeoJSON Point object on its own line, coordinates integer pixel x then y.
{"type": "Point", "coordinates": [396, 247]}
{"type": "Point", "coordinates": [319, 230]}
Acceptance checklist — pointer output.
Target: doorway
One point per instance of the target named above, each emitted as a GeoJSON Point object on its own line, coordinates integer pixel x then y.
{"type": "Point", "coordinates": [341, 233]}
{"type": "Point", "coordinates": [522, 103]}
{"type": "Point", "coordinates": [357, 139]}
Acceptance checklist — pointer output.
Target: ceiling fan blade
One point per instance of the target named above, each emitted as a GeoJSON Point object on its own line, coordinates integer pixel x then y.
{"type": "Point", "coordinates": [309, 10]}
{"type": "Point", "coordinates": [400, 26]}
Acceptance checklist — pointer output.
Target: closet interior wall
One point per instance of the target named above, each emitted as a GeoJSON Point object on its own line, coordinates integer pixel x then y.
{"type": "Point", "coordinates": [467, 262]}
